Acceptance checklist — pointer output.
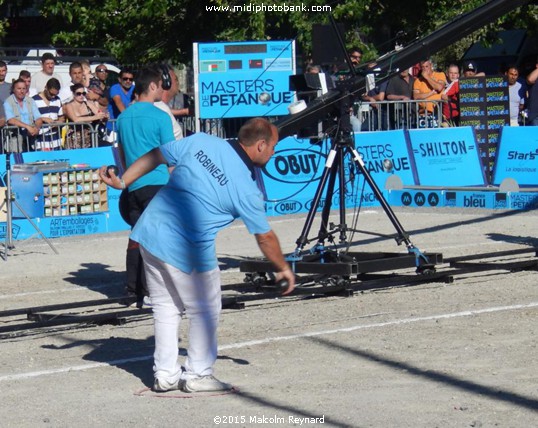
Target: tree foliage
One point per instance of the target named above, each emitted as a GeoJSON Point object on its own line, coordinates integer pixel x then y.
{"type": "Point", "coordinates": [3, 23]}
{"type": "Point", "coordinates": [153, 30]}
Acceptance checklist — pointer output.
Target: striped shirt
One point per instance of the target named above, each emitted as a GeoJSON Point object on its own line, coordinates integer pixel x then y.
{"type": "Point", "coordinates": [49, 136]}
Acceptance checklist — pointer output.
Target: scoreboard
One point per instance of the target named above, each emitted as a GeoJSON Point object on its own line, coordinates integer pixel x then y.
{"type": "Point", "coordinates": [243, 79]}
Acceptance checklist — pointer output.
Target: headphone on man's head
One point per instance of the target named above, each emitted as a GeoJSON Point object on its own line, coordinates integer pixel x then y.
{"type": "Point", "coordinates": [166, 78]}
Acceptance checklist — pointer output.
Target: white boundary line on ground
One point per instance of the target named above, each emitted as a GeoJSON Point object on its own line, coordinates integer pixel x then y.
{"type": "Point", "coordinates": [29, 375]}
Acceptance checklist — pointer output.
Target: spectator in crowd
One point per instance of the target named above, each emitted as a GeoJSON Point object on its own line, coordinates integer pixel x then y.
{"type": "Point", "coordinates": [533, 96]}
{"type": "Point", "coordinates": [181, 105]}
{"type": "Point", "coordinates": [121, 93]}
{"type": "Point", "coordinates": [167, 96]}
{"type": "Point", "coordinates": [141, 128]}
{"type": "Point", "coordinates": [400, 88]}
{"type": "Point", "coordinates": [101, 72]}
{"type": "Point", "coordinates": [451, 110]}
{"type": "Point", "coordinates": [516, 94]}
{"type": "Point", "coordinates": [86, 72]}
{"type": "Point", "coordinates": [27, 78]}
{"type": "Point", "coordinates": [22, 111]}
{"type": "Point", "coordinates": [81, 112]}
{"type": "Point", "coordinates": [177, 236]}
{"type": "Point", "coordinates": [470, 69]}
{"type": "Point", "coordinates": [5, 87]}
{"type": "Point", "coordinates": [40, 78]}
{"type": "Point", "coordinates": [428, 86]}
{"type": "Point", "coordinates": [79, 109]}
{"type": "Point", "coordinates": [341, 71]}
{"type": "Point", "coordinates": [313, 69]}
{"type": "Point", "coordinates": [95, 95]}
{"type": "Point", "coordinates": [378, 111]}
{"type": "Point", "coordinates": [76, 74]}
{"type": "Point", "coordinates": [355, 55]}
{"type": "Point", "coordinates": [2, 115]}
{"type": "Point", "coordinates": [50, 107]}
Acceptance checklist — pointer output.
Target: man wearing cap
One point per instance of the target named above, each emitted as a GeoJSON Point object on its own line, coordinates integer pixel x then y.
{"type": "Point", "coordinates": [40, 78]}
{"type": "Point", "coordinates": [95, 92]}
{"type": "Point", "coordinates": [471, 70]}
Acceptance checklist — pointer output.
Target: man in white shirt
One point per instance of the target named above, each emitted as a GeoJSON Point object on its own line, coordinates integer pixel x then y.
{"type": "Point", "coordinates": [168, 94]}
{"type": "Point", "coordinates": [516, 94]}
{"type": "Point", "coordinates": [40, 78]}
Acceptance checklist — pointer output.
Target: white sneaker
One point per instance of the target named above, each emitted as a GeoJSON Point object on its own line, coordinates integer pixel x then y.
{"type": "Point", "coordinates": [146, 302]}
{"type": "Point", "coordinates": [161, 385]}
{"type": "Point", "coordinates": [203, 384]}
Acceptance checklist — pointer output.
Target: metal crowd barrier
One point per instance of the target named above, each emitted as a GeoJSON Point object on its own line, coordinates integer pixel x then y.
{"type": "Point", "coordinates": [70, 135]}
{"type": "Point", "coordinates": [388, 115]}
{"type": "Point", "coordinates": [57, 136]}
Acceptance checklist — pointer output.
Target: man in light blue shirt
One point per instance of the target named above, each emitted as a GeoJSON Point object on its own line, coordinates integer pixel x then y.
{"type": "Point", "coordinates": [211, 185]}
{"type": "Point", "coordinates": [22, 111]}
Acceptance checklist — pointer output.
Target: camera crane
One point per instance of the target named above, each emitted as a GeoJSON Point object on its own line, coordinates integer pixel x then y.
{"type": "Point", "coordinates": [340, 265]}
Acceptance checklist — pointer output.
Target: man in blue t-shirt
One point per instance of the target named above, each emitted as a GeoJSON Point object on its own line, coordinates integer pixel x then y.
{"type": "Point", "coordinates": [211, 185]}
{"type": "Point", "coordinates": [121, 94]}
{"type": "Point", "coordinates": [141, 128]}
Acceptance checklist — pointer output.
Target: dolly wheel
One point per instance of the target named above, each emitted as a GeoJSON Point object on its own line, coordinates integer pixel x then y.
{"type": "Point", "coordinates": [426, 270]}
{"type": "Point", "coordinates": [259, 279]}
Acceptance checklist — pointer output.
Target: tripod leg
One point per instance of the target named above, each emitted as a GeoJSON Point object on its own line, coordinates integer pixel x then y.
{"type": "Point", "coordinates": [303, 238]}
{"type": "Point", "coordinates": [35, 227]}
{"type": "Point", "coordinates": [403, 236]}
{"type": "Point", "coordinates": [4, 254]}
{"type": "Point", "coordinates": [336, 167]}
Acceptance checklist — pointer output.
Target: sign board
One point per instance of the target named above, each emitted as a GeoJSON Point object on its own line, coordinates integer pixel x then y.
{"type": "Point", "coordinates": [243, 79]}
{"type": "Point", "coordinates": [377, 147]}
{"type": "Point", "coordinates": [446, 157]}
{"type": "Point", "coordinates": [484, 106]}
{"type": "Point", "coordinates": [58, 226]}
{"type": "Point", "coordinates": [517, 156]}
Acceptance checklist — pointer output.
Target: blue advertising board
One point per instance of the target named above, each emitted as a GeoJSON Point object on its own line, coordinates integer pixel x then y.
{"type": "Point", "coordinates": [68, 225]}
{"type": "Point", "coordinates": [446, 157]}
{"type": "Point", "coordinates": [293, 174]}
{"type": "Point", "coordinates": [450, 198]}
{"type": "Point", "coordinates": [377, 147]}
{"type": "Point", "coordinates": [517, 156]}
{"type": "Point", "coordinates": [416, 198]}
{"type": "Point", "coordinates": [243, 79]}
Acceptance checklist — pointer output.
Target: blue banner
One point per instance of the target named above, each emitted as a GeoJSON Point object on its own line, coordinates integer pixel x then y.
{"type": "Point", "coordinates": [446, 157]}
{"type": "Point", "coordinates": [517, 156]}
{"type": "Point", "coordinates": [448, 198]}
{"type": "Point", "coordinates": [378, 147]}
{"type": "Point", "coordinates": [67, 225]}
{"type": "Point", "coordinates": [292, 175]}
{"type": "Point", "coordinates": [243, 79]}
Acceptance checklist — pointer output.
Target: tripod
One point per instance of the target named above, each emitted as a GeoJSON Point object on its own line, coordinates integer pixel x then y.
{"type": "Point", "coordinates": [9, 200]}
{"type": "Point", "coordinates": [342, 145]}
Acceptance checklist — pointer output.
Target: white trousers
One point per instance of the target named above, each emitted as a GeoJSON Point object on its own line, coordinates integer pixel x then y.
{"type": "Point", "coordinates": [173, 293]}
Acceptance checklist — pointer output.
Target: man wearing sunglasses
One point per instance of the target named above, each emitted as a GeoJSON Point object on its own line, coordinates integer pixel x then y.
{"type": "Point", "coordinates": [101, 72]}
{"type": "Point", "coordinates": [121, 93]}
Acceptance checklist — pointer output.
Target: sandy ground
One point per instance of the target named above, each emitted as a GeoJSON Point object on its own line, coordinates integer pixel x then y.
{"type": "Point", "coordinates": [435, 354]}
